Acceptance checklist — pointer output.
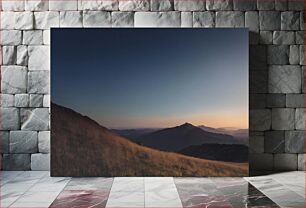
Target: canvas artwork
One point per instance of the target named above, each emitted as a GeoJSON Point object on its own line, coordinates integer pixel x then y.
{"type": "Point", "coordinates": [149, 102]}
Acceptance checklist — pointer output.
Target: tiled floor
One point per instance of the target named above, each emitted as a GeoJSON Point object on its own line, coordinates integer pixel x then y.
{"type": "Point", "coordinates": [37, 189]}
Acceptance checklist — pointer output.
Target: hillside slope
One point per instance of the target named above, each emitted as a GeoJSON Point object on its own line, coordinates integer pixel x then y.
{"type": "Point", "coordinates": [81, 147]}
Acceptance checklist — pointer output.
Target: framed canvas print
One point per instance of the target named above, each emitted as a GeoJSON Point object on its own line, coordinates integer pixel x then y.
{"type": "Point", "coordinates": [149, 102]}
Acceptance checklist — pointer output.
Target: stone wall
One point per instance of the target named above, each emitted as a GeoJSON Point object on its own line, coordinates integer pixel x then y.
{"type": "Point", "coordinates": [276, 68]}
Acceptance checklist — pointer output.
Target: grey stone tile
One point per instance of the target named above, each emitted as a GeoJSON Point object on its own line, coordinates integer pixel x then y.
{"type": "Point", "coordinates": [294, 141]}
{"type": "Point", "coordinates": [285, 162]}
{"type": "Point", "coordinates": [283, 118]}
{"type": "Point", "coordinates": [274, 141]}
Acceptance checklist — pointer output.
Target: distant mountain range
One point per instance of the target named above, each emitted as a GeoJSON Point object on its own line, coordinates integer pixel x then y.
{"type": "Point", "coordinates": [240, 134]}
{"type": "Point", "coordinates": [180, 137]}
{"type": "Point", "coordinates": [82, 147]}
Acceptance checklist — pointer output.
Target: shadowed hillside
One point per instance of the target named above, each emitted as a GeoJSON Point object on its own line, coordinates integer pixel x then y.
{"type": "Point", "coordinates": [81, 147]}
{"type": "Point", "coordinates": [220, 152]}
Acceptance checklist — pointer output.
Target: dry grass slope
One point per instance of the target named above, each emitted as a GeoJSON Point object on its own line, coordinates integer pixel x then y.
{"type": "Point", "coordinates": [81, 147]}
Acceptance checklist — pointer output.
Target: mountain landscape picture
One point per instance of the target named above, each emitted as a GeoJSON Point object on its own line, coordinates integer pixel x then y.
{"type": "Point", "coordinates": [149, 102]}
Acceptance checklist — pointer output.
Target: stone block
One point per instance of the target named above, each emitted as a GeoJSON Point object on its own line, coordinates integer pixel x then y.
{"type": "Point", "coordinates": [37, 5]}
{"type": "Point", "coordinates": [98, 5]}
{"type": "Point", "coordinates": [285, 162]}
{"type": "Point", "coordinates": [4, 141]}
{"type": "Point", "coordinates": [10, 37]}
{"type": "Point", "coordinates": [260, 120]}
{"type": "Point", "coordinates": [252, 21]}
{"type": "Point", "coordinates": [162, 5]}
{"type": "Point", "coordinates": [245, 5]}
{"type": "Point", "coordinates": [258, 81]}
{"type": "Point", "coordinates": [13, 5]}
{"type": "Point", "coordinates": [216, 5]}
{"type": "Point", "coordinates": [278, 54]}
{"type": "Point", "coordinates": [283, 37]}
{"type": "Point", "coordinates": [24, 20]}
{"type": "Point", "coordinates": [302, 56]}
{"type": "Point", "coordinates": [46, 20]}
{"type": "Point", "coordinates": [296, 5]}
{"type": "Point", "coordinates": [9, 55]}
{"type": "Point", "coordinates": [302, 20]}
{"type": "Point", "coordinates": [32, 37]}
{"type": "Point", "coordinates": [122, 19]}
{"type": "Point", "coordinates": [299, 37]}
{"type": "Point", "coordinates": [300, 119]}
{"type": "Point", "coordinates": [63, 5]}
{"type": "Point", "coordinates": [40, 162]}
{"type": "Point", "coordinates": [261, 161]}
{"type": "Point", "coordinates": [265, 5]}
{"type": "Point", "coordinates": [14, 79]}
{"type": "Point", "coordinates": [23, 142]}
{"type": "Point", "coordinates": [36, 100]}
{"type": "Point", "coordinates": [256, 144]}
{"type": "Point", "coordinates": [16, 162]}
{"type": "Point", "coordinates": [22, 100]}
{"type": "Point", "coordinates": [35, 120]}
{"type": "Point", "coordinates": [46, 101]}
{"type": "Point", "coordinates": [39, 82]}
{"type": "Point", "coordinates": [301, 162]}
{"type": "Point", "coordinates": [274, 141]}
{"type": "Point", "coordinates": [266, 37]}
{"type": "Point", "coordinates": [295, 100]}
{"type": "Point", "coordinates": [294, 141]}
{"type": "Point", "coordinates": [46, 37]}
{"type": "Point", "coordinates": [71, 19]}
{"type": "Point", "coordinates": [269, 20]}
{"type": "Point", "coordinates": [44, 141]}
{"type": "Point", "coordinates": [290, 20]}
{"type": "Point", "coordinates": [229, 19]}
{"type": "Point", "coordinates": [258, 56]}
{"type": "Point", "coordinates": [185, 6]}
{"type": "Point", "coordinates": [22, 55]}
{"type": "Point", "coordinates": [294, 54]}
{"type": "Point", "coordinates": [285, 79]}
{"type": "Point", "coordinates": [203, 19]}
{"type": "Point", "coordinates": [281, 5]}
{"type": "Point", "coordinates": [276, 100]}
{"type": "Point", "coordinates": [283, 118]}
{"type": "Point", "coordinates": [134, 5]}
{"type": "Point", "coordinates": [257, 101]}
{"type": "Point", "coordinates": [97, 19]}
{"type": "Point", "coordinates": [39, 58]}
{"type": "Point", "coordinates": [157, 19]}
{"type": "Point", "coordinates": [7, 22]}
{"type": "Point", "coordinates": [6, 100]}
{"type": "Point", "coordinates": [186, 19]}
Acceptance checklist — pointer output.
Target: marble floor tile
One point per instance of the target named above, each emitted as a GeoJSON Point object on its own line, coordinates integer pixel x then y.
{"type": "Point", "coordinates": [277, 192]}
{"type": "Point", "coordinates": [128, 184]}
{"type": "Point", "coordinates": [126, 200]}
{"type": "Point", "coordinates": [50, 184]}
{"type": "Point", "coordinates": [163, 198]}
{"type": "Point", "coordinates": [94, 183]}
{"type": "Point", "coordinates": [200, 192]}
{"type": "Point", "coordinates": [7, 176]}
{"type": "Point", "coordinates": [81, 199]}
{"type": "Point", "coordinates": [154, 184]}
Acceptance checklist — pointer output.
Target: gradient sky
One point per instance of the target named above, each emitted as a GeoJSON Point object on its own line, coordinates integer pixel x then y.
{"type": "Point", "coordinates": [136, 78]}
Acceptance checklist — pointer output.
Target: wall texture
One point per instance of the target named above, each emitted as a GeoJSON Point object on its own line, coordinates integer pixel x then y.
{"type": "Point", "coordinates": [276, 68]}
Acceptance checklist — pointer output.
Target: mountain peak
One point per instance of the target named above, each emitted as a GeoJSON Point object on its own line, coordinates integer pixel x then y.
{"type": "Point", "coordinates": [187, 125]}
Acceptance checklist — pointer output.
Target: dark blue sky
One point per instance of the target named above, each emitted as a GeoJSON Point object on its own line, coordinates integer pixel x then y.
{"type": "Point", "coordinates": [129, 78]}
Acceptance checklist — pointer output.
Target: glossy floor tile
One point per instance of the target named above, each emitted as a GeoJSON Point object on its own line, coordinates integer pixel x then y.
{"type": "Point", "coordinates": [21, 189]}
